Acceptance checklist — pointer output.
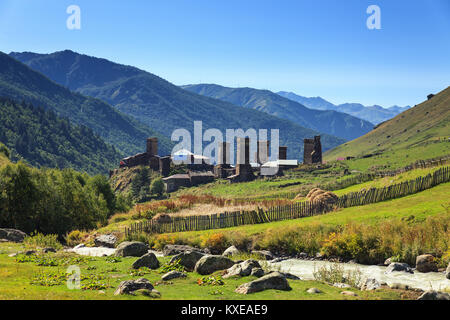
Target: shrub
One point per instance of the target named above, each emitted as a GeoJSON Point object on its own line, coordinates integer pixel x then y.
{"type": "Point", "coordinates": [5, 151]}
{"type": "Point", "coordinates": [75, 237]}
{"type": "Point", "coordinates": [157, 187]}
{"type": "Point", "coordinates": [335, 273]}
{"type": "Point", "coordinates": [172, 266]}
{"type": "Point", "coordinates": [216, 242]}
{"type": "Point", "coordinates": [38, 240]}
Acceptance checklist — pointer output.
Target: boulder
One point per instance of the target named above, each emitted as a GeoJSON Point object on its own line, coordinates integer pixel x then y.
{"type": "Point", "coordinates": [131, 249]}
{"type": "Point", "coordinates": [349, 293]}
{"type": "Point", "coordinates": [210, 263]}
{"type": "Point", "coordinates": [148, 293]}
{"type": "Point", "coordinates": [426, 263]}
{"type": "Point", "coordinates": [257, 272]}
{"type": "Point", "coordinates": [105, 240]}
{"type": "Point", "coordinates": [173, 249]}
{"type": "Point", "coordinates": [188, 259]}
{"type": "Point", "coordinates": [434, 295]}
{"type": "Point", "coordinates": [12, 235]}
{"type": "Point", "coordinates": [264, 253]}
{"type": "Point", "coordinates": [397, 266]}
{"type": "Point", "coordinates": [129, 286]}
{"type": "Point", "coordinates": [242, 269]}
{"type": "Point", "coordinates": [290, 276]}
{"type": "Point", "coordinates": [148, 260]}
{"type": "Point", "coordinates": [370, 284]}
{"type": "Point", "coordinates": [48, 250]}
{"type": "Point", "coordinates": [173, 275]}
{"type": "Point", "coordinates": [273, 280]}
{"type": "Point", "coordinates": [313, 291]}
{"type": "Point", "coordinates": [231, 251]}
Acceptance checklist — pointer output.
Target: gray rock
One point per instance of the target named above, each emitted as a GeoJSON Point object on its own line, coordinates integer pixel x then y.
{"type": "Point", "coordinates": [388, 261]}
{"type": "Point", "coordinates": [105, 240]}
{"type": "Point", "coordinates": [290, 276]}
{"type": "Point", "coordinates": [426, 263]}
{"type": "Point", "coordinates": [313, 291]}
{"type": "Point", "coordinates": [371, 284]}
{"type": "Point", "coordinates": [447, 272]}
{"type": "Point", "coordinates": [173, 249]}
{"type": "Point", "coordinates": [131, 249]}
{"type": "Point", "coordinates": [231, 251]}
{"type": "Point", "coordinates": [188, 259]}
{"type": "Point", "coordinates": [148, 260]}
{"type": "Point", "coordinates": [257, 272]}
{"type": "Point", "coordinates": [264, 253]}
{"type": "Point", "coordinates": [399, 286]}
{"type": "Point", "coordinates": [242, 269]}
{"type": "Point", "coordinates": [273, 280]}
{"type": "Point", "coordinates": [342, 285]}
{"type": "Point", "coordinates": [349, 293]}
{"type": "Point", "coordinates": [209, 264]}
{"type": "Point", "coordinates": [12, 235]}
{"type": "Point", "coordinates": [173, 275]}
{"type": "Point", "coordinates": [129, 286]}
{"type": "Point", "coordinates": [148, 293]}
{"type": "Point", "coordinates": [397, 266]}
{"type": "Point", "coordinates": [29, 252]}
{"type": "Point", "coordinates": [303, 255]}
{"type": "Point", "coordinates": [434, 295]}
{"type": "Point", "coordinates": [81, 245]}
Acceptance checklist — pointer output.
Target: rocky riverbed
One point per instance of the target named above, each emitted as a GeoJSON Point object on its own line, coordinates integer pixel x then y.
{"type": "Point", "coordinates": [424, 281]}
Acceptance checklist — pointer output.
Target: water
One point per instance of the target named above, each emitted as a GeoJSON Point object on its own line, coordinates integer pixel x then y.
{"type": "Point", "coordinates": [424, 281]}
{"type": "Point", "coordinates": [94, 251]}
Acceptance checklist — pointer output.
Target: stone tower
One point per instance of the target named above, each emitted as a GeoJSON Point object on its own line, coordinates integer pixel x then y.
{"type": "Point", "coordinates": [312, 151]}
{"type": "Point", "coordinates": [152, 147]}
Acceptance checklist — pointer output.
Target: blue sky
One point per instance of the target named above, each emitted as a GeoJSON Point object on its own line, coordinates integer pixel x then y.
{"type": "Point", "coordinates": [313, 48]}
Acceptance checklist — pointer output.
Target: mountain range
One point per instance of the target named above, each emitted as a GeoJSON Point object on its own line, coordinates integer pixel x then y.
{"type": "Point", "coordinates": [44, 140]}
{"type": "Point", "coordinates": [156, 103]}
{"type": "Point", "coordinates": [21, 83]}
{"type": "Point", "coordinates": [375, 114]}
{"type": "Point", "coordinates": [332, 122]}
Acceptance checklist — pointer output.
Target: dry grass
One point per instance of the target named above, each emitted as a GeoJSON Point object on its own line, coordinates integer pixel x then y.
{"type": "Point", "coordinates": [208, 209]}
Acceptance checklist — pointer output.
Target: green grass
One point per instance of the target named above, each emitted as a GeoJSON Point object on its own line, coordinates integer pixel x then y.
{"type": "Point", "coordinates": [15, 284]}
{"type": "Point", "coordinates": [387, 181]}
{"type": "Point", "coordinates": [426, 203]}
{"type": "Point", "coordinates": [419, 133]}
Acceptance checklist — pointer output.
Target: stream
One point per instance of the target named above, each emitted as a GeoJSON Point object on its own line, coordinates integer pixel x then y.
{"type": "Point", "coordinates": [424, 281]}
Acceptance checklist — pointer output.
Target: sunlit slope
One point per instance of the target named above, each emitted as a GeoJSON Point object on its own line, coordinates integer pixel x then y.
{"type": "Point", "coordinates": [421, 132]}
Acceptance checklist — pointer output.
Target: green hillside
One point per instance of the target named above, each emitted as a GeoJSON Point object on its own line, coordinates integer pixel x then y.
{"type": "Point", "coordinates": [19, 82]}
{"type": "Point", "coordinates": [43, 139]}
{"type": "Point", "coordinates": [329, 121]}
{"type": "Point", "coordinates": [158, 103]}
{"type": "Point", "coordinates": [421, 132]}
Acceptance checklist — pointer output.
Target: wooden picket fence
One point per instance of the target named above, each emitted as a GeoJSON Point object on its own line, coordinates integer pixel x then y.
{"type": "Point", "coordinates": [399, 190]}
{"type": "Point", "coordinates": [292, 211]}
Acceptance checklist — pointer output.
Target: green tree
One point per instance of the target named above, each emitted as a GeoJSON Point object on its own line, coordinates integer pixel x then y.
{"type": "Point", "coordinates": [157, 187]}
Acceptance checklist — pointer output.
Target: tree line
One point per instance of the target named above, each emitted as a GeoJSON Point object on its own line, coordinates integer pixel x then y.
{"type": "Point", "coordinates": [55, 201]}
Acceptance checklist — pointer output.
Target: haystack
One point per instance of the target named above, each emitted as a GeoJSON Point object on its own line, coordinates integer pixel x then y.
{"type": "Point", "coordinates": [319, 195]}
{"type": "Point", "coordinates": [162, 218]}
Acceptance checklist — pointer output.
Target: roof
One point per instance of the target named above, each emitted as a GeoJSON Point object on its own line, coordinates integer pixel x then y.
{"type": "Point", "coordinates": [278, 163]}
{"type": "Point", "coordinates": [180, 176]}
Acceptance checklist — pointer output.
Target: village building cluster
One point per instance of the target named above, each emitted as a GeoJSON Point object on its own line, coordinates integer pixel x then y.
{"type": "Point", "coordinates": [199, 170]}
